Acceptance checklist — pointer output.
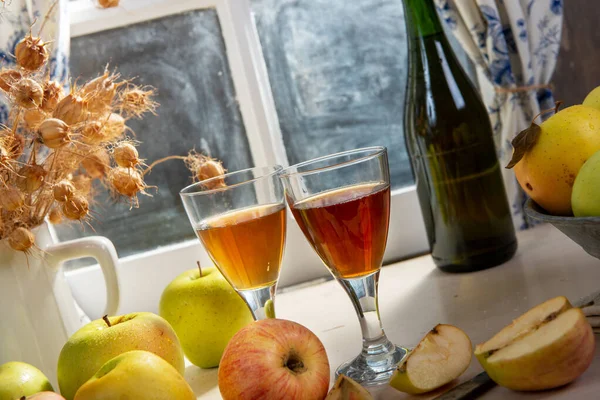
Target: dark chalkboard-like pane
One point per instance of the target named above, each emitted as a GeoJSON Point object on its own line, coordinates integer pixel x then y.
{"type": "Point", "coordinates": [338, 73]}
{"type": "Point", "coordinates": [184, 57]}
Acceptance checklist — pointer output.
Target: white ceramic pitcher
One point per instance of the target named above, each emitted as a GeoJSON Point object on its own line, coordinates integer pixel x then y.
{"type": "Point", "coordinates": [37, 310]}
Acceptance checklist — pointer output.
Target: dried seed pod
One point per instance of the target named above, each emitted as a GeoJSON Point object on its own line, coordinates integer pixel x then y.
{"type": "Point", "coordinates": [92, 133]}
{"type": "Point", "coordinates": [97, 164]}
{"type": "Point", "coordinates": [114, 127]}
{"type": "Point", "coordinates": [31, 178]}
{"type": "Point", "coordinates": [76, 208]}
{"type": "Point", "coordinates": [53, 94]}
{"type": "Point", "coordinates": [11, 198]}
{"type": "Point", "coordinates": [126, 155]}
{"type": "Point", "coordinates": [21, 239]}
{"type": "Point", "coordinates": [63, 190]}
{"type": "Point", "coordinates": [31, 53]}
{"type": "Point", "coordinates": [33, 118]}
{"type": "Point", "coordinates": [54, 216]}
{"type": "Point", "coordinates": [15, 146]}
{"type": "Point", "coordinates": [108, 3]}
{"type": "Point", "coordinates": [137, 101]}
{"type": "Point", "coordinates": [83, 184]}
{"type": "Point", "coordinates": [27, 93]}
{"type": "Point", "coordinates": [71, 109]}
{"type": "Point", "coordinates": [8, 78]}
{"type": "Point", "coordinates": [126, 181]}
{"type": "Point", "coordinates": [54, 133]}
{"type": "Point", "coordinates": [210, 169]}
{"type": "Point", "coordinates": [100, 92]}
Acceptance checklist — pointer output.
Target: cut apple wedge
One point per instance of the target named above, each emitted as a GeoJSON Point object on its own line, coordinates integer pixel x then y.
{"type": "Point", "coordinates": [345, 388]}
{"type": "Point", "coordinates": [439, 358]}
{"type": "Point", "coordinates": [548, 346]}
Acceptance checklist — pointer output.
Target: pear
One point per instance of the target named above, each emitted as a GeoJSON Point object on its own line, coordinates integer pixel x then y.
{"type": "Point", "coordinates": [439, 358]}
{"type": "Point", "coordinates": [547, 347]}
{"type": "Point", "coordinates": [585, 199]}
{"type": "Point", "coordinates": [346, 388]}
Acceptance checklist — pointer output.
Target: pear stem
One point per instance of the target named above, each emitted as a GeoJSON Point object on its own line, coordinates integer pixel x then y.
{"type": "Point", "coordinates": [105, 318]}
{"type": "Point", "coordinates": [199, 268]}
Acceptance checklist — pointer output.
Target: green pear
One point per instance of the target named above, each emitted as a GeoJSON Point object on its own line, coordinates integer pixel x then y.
{"type": "Point", "coordinates": [585, 198]}
{"type": "Point", "coordinates": [593, 99]}
{"type": "Point", "coordinates": [101, 340]}
{"type": "Point", "coordinates": [18, 379]}
{"type": "Point", "coordinates": [205, 312]}
{"type": "Point", "coordinates": [136, 374]}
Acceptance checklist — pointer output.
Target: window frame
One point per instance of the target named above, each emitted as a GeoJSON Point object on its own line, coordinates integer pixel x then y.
{"type": "Point", "coordinates": [249, 73]}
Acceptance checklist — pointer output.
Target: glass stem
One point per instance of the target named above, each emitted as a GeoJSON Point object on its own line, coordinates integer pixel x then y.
{"type": "Point", "coordinates": [363, 294]}
{"type": "Point", "coordinates": [260, 301]}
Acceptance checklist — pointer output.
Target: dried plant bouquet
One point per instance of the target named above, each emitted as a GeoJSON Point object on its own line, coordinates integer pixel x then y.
{"type": "Point", "coordinates": [58, 142]}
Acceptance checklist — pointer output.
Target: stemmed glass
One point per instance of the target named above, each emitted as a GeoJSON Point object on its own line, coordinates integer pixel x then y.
{"type": "Point", "coordinates": [240, 219]}
{"type": "Point", "coordinates": [342, 204]}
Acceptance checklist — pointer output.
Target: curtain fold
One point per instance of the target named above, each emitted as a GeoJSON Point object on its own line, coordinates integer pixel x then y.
{"type": "Point", "coordinates": [16, 20]}
{"type": "Point", "coordinates": [514, 45]}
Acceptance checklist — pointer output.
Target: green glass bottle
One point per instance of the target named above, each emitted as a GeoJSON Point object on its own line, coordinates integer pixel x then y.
{"type": "Point", "coordinates": [449, 139]}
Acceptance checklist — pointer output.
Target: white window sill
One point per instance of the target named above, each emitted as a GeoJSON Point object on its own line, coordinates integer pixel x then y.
{"type": "Point", "coordinates": [415, 296]}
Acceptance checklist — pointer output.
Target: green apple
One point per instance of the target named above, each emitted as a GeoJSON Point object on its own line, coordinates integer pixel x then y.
{"type": "Point", "coordinates": [136, 374]}
{"type": "Point", "coordinates": [45, 396]}
{"type": "Point", "coordinates": [585, 198]}
{"type": "Point", "coordinates": [593, 99]}
{"type": "Point", "coordinates": [99, 341]}
{"type": "Point", "coordinates": [19, 379]}
{"type": "Point", "coordinates": [205, 312]}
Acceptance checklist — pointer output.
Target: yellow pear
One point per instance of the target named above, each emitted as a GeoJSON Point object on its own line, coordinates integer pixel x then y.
{"type": "Point", "coordinates": [563, 143]}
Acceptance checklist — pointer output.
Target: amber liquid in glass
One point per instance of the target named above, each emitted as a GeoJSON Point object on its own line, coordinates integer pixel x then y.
{"type": "Point", "coordinates": [247, 244]}
{"type": "Point", "coordinates": [347, 227]}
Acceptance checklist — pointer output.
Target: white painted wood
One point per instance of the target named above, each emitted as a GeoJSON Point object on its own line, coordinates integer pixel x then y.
{"type": "Point", "coordinates": [146, 274]}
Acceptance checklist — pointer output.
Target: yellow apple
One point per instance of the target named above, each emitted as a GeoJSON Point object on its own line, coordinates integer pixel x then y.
{"type": "Point", "coordinates": [98, 341]}
{"type": "Point", "coordinates": [205, 312]}
{"type": "Point", "coordinates": [136, 374]}
{"type": "Point", "coordinates": [548, 346]}
{"type": "Point", "coordinates": [439, 358]}
{"type": "Point", "coordinates": [274, 359]}
{"type": "Point", "coordinates": [346, 388]}
{"type": "Point", "coordinates": [19, 379]}
{"type": "Point", "coordinates": [45, 396]}
{"type": "Point", "coordinates": [586, 190]}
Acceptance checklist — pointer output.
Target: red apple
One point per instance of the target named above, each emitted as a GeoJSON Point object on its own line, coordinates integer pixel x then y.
{"type": "Point", "coordinates": [274, 359]}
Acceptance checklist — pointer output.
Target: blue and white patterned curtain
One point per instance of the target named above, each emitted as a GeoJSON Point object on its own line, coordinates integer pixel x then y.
{"type": "Point", "coordinates": [514, 45]}
{"type": "Point", "coordinates": [16, 19]}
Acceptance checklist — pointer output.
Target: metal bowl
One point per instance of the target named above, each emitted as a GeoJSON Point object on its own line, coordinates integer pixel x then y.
{"type": "Point", "coordinates": [585, 231]}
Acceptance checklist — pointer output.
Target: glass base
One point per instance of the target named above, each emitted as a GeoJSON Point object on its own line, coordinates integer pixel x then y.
{"type": "Point", "coordinates": [375, 364]}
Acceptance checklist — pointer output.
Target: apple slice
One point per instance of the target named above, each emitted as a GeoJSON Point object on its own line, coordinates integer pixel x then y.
{"type": "Point", "coordinates": [549, 346]}
{"type": "Point", "coordinates": [345, 388]}
{"type": "Point", "coordinates": [523, 325]}
{"type": "Point", "coordinates": [439, 358]}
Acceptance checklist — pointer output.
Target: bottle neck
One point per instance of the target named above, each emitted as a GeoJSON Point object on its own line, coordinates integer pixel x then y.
{"type": "Point", "coordinates": [421, 18]}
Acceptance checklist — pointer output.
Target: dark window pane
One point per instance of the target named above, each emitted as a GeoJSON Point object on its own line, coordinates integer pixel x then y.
{"type": "Point", "coordinates": [184, 57]}
{"type": "Point", "coordinates": [338, 73]}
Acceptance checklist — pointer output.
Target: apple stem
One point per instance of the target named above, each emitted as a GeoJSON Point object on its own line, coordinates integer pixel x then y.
{"type": "Point", "coordinates": [199, 268]}
{"type": "Point", "coordinates": [105, 318]}
{"type": "Point", "coordinates": [23, 398]}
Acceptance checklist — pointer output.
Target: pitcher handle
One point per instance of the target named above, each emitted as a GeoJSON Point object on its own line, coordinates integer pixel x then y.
{"type": "Point", "coordinates": [103, 251]}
